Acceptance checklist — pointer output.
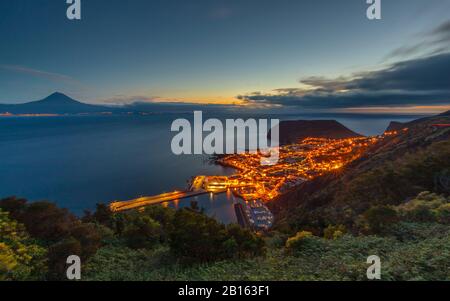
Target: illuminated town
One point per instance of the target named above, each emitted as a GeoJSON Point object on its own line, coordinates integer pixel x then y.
{"type": "Point", "coordinates": [298, 162]}
{"type": "Point", "coordinates": [256, 184]}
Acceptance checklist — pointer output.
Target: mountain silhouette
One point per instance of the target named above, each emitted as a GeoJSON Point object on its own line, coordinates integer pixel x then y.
{"type": "Point", "coordinates": [56, 103]}
{"type": "Point", "coordinates": [292, 131]}
{"type": "Point", "coordinates": [395, 126]}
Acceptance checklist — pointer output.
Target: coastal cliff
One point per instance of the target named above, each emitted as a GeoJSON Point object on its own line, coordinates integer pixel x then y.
{"type": "Point", "coordinates": [413, 160]}
{"type": "Point", "coordinates": [292, 131]}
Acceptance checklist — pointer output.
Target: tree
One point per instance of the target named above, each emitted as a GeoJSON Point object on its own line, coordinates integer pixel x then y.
{"type": "Point", "coordinates": [306, 243]}
{"type": "Point", "coordinates": [426, 207]}
{"type": "Point", "coordinates": [13, 206]}
{"type": "Point", "coordinates": [296, 241]}
{"type": "Point", "coordinates": [54, 227]}
{"type": "Point", "coordinates": [380, 219]}
{"type": "Point", "coordinates": [334, 232]}
{"type": "Point", "coordinates": [103, 215]}
{"type": "Point", "coordinates": [20, 258]}
{"type": "Point", "coordinates": [160, 214]}
{"type": "Point", "coordinates": [57, 257]}
{"type": "Point", "coordinates": [45, 221]}
{"type": "Point", "coordinates": [248, 244]}
{"type": "Point", "coordinates": [196, 237]}
{"type": "Point", "coordinates": [230, 247]}
{"type": "Point", "coordinates": [89, 238]}
{"type": "Point", "coordinates": [443, 214]}
{"type": "Point", "coordinates": [143, 232]}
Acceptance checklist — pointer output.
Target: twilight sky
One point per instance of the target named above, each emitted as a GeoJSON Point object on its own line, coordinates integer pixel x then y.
{"type": "Point", "coordinates": [311, 55]}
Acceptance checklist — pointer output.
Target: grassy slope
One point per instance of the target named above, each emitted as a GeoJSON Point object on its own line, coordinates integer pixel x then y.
{"type": "Point", "coordinates": [425, 255]}
{"type": "Point", "coordinates": [392, 171]}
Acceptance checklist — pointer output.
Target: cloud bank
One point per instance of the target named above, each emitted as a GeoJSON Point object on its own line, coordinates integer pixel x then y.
{"type": "Point", "coordinates": [424, 81]}
{"type": "Point", "coordinates": [430, 43]}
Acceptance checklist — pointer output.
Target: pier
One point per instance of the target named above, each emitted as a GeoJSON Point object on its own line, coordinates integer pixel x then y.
{"type": "Point", "coordinates": [153, 200]}
{"type": "Point", "coordinates": [200, 185]}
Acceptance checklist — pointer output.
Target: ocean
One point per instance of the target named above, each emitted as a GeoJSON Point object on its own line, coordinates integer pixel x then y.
{"type": "Point", "coordinates": [79, 161]}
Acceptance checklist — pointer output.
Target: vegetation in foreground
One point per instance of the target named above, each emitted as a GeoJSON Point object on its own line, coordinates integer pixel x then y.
{"type": "Point", "coordinates": [412, 239]}
{"type": "Point", "coordinates": [394, 204]}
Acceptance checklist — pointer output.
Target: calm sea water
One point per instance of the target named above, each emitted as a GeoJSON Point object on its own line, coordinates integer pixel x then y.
{"type": "Point", "coordinates": [79, 161]}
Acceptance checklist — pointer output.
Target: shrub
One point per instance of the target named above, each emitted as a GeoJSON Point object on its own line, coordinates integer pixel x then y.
{"type": "Point", "coordinates": [195, 237]}
{"type": "Point", "coordinates": [378, 220]}
{"type": "Point", "coordinates": [334, 232]}
{"type": "Point", "coordinates": [13, 206]}
{"type": "Point", "coordinates": [57, 257]}
{"type": "Point", "coordinates": [20, 258]}
{"type": "Point", "coordinates": [306, 243]}
{"type": "Point", "coordinates": [426, 207]}
{"type": "Point", "coordinates": [143, 232]}
{"type": "Point", "coordinates": [89, 238]}
{"type": "Point", "coordinates": [443, 213]}
{"type": "Point", "coordinates": [45, 221]}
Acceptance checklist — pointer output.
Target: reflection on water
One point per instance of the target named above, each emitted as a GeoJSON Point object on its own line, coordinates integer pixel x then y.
{"type": "Point", "coordinates": [219, 206]}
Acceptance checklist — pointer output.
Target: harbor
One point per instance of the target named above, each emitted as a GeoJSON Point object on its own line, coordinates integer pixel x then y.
{"type": "Point", "coordinates": [254, 184]}
{"type": "Point", "coordinates": [252, 213]}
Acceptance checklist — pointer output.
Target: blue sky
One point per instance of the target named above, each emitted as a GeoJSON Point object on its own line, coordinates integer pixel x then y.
{"type": "Point", "coordinates": [213, 51]}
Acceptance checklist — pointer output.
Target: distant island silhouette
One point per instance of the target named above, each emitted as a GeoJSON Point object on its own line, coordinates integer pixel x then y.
{"type": "Point", "coordinates": [61, 104]}
{"type": "Point", "coordinates": [56, 103]}
{"type": "Point", "coordinates": [292, 131]}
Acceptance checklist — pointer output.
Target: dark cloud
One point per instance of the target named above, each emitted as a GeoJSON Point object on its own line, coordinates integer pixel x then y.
{"type": "Point", "coordinates": [326, 85]}
{"type": "Point", "coordinates": [425, 74]}
{"type": "Point", "coordinates": [424, 81]}
{"type": "Point", "coordinates": [443, 29]}
{"type": "Point", "coordinates": [432, 42]}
